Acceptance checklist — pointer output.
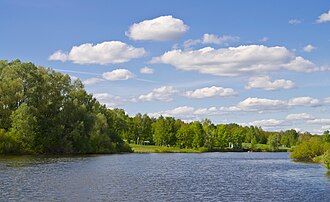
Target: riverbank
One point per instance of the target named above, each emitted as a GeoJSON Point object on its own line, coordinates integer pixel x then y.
{"type": "Point", "coordinates": [160, 149]}
{"type": "Point", "coordinates": [164, 149]}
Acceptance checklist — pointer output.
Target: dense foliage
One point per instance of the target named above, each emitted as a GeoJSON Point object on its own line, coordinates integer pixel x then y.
{"type": "Point", "coordinates": [313, 148]}
{"type": "Point", "coordinates": [43, 112]}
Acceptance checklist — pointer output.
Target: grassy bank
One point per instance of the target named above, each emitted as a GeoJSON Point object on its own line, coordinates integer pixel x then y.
{"type": "Point", "coordinates": [263, 148]}
{"type": "Point", "coordinates": [160, 149]}
{"type": "Point", "coordinates": [163, 149]}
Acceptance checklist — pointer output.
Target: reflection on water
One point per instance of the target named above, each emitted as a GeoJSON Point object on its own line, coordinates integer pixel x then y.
{"type": "Point", "coordinates": [163, 177]}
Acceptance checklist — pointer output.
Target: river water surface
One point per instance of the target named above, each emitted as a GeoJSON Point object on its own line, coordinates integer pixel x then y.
{"type": "Point", "coordinates": [163, 177]}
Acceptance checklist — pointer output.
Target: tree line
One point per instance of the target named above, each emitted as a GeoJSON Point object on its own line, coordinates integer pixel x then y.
{"type": "Point", "coordinates": [45, 112]}
{"type": "Point", "coordinates": [168, 131]}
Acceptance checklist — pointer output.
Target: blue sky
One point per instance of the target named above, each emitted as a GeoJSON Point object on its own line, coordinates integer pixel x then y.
{"type": "Point", "coordinates": [253, 62]}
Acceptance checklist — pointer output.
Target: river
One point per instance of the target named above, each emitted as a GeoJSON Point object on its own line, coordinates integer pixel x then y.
{"type": "Point", "coordinates": [163, 177]}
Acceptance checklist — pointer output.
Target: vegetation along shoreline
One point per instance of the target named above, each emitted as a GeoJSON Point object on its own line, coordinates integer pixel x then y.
{"type": "Point", "coordinates": [45, 112]}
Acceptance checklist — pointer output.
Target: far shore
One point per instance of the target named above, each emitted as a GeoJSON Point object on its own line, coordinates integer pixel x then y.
{"type": "Point", "coordinates": [164, 149]}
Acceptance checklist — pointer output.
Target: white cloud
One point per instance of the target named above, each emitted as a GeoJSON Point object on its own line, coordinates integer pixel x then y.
{"type": "Point", "coordinates": [325, 17]}
{"type": "Point", "coordinates": [294, 21]}
{"type": "Point", "coordinates": [183, 112]}
{"type": "Point", "coordinates": [219, 40]}
{"type": "Point", "coordinates": [211, 39]}
{"type": "Point", "coordinates": [327, 100]}
{"type": "Point", "coordinates": [188, 113]}
{"type": "Point", "coordinates": [263, 104]}
{"type": "Point", "coordinates": [211, 92]}
{"type": "Point", "coordinates": [207, 111]}
{"type": "Point", "coordinates": [265, 82]}
{"type": "Point", "coordinates": [325, 68]}
{"type": "Point", "coordinates": [59, 55]}
{"type": "Point", "coordinates": [299, 64]}
{"type": "Point", "coordinates": [234, 61]}
{"type": "Point", "coordinates": [93, 80]}
{"type": "Point", "coordinates": [327, 127]}
{"type": "Point", "coordinates": [109, 52]}
{"type": "Point", "coordinates": [180, 111]}
{"type": "Point", "coordinates": [260, 104]}
{"type": "Point", "coordinates": [118, 74]}
{"type": "Point", "coordinates": [163, 28]}
{"type": "Point", "coordinates": [163, 93]}
{"type": "Point", "coordinates": [319, 121]}
{"type": "Point", "coordinates": [109, 100]}
{"type": "Point", "coordinates": [304, 101]}
{"type": "Point", "coordinates": [147, 70]}
{"type": "Point", "coordinates": [254, 105]}
{"type": "Point", "coordinates": [309, 48]}
{"type": "Point", "coordinates": [267, 123]}
{"type": "Point", "coordinates": [300, 116]}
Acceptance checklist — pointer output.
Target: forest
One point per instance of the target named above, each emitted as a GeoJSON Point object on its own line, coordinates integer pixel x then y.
{"type": "Point", "coordinates": [46, 112]}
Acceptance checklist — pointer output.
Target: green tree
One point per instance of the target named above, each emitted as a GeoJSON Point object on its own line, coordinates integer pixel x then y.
{"type": "Point", "coordinates": [273, 141]}
{"type": "Point", "coordinates": [326, 159]}
{"type": "Point", "coordinates": [24, 127]}
{"type": "Point", "coordinates": [221, 137]}
{"type": "Point", "coordinates": [185, 136]}
{"type": "Point", "coordinates": [326, 136]}
{"type": "Point", "coordinates": [307, 150]}
{"type": "Point", "coordinates": [160, 132]}
{"type": "Point", "coordinates": [198, 134]}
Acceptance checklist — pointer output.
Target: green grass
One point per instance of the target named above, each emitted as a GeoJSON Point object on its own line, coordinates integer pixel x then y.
{"type": "Point", "coordinates": [163, 149]}
{"type": "Point", "coordinates": [160, 149]}
{"type": "Point", "coordinates": [263, 147]}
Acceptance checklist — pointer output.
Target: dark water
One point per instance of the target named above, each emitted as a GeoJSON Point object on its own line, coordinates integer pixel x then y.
{"type": "Point", "coordinates": [163, 177]}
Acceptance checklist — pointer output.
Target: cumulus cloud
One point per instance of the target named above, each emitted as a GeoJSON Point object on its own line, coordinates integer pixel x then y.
{"type": "Point", "coordinates": [263, 104]}
{"type": "Point", "coordinates": [211, 39]}
{"type": "Point", "coordinates": [163, 28]}
{"type": "Point", "coordinates": [211, 92]}
{"type": "Point", "coordinates": [118, 74]}
{"type": "Point", "coordinates": [325, 68]}
{"type": "Point", "coordinates": [163, 93]}
{"type": "Point", "coordinates": [109, 52]}
{"type": "Point", "coordinates": [235, 61]}
{"type": "Point", "coordinates": [267, 122]}
{"type": "Point", "coordinates": [59, 55]}
{"type": "Point", "coordinates": [319, 121]}
{"type": "Point", "coordinates": [180, 111]}
{"type": "Point", "coordinates": [147, 70]}
{"type": "Point", "coordinates": [327, 100]}
{"type": "Point", "coordinates": [109, 100]}
{"type": "Point", "coordinates": [219, 40]}
{"type": "Point", "coordinates": [304, 101]}
{"type": "Point", "coordinates": [260, 104]}
{"type": "Point", "coordinates": [326, 127]}
{"type": "Point", "coordinates": [187, 113]}
{"type": "Point", "coordinates": [294, 21]}
{"type": "Point", "coordinates": [207, 111]}
{"type": "Point", "coordinates": [265, 82]}
{"type": "Point", "coordinates": [299, 64]}
{"type": "Point", "coordinates": [300, 116]}
{"type": "Point", "coordinates": [93, 80]}
{"type": "Point", "coordinates": [325, 17]}
{"type": "Point", "coordinates": [309, 48]}
{"type": "Point", "coordinates": [249, 105]}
